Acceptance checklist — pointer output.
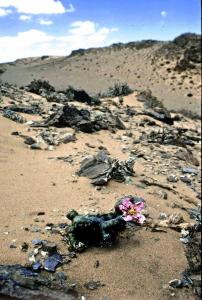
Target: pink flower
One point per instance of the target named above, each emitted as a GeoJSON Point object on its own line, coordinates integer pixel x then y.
{"type": "Point", "coordinates": [131, 212]}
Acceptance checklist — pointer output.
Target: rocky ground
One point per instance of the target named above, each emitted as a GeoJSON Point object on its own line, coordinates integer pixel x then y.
{"type": "Point", "coordinates": [44, 138]}
{"type": "Point", "coordinates": [171, 70]}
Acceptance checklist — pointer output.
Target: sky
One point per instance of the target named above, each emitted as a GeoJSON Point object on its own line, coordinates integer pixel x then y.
{"type": "Point", "coordinates": [56, 27]}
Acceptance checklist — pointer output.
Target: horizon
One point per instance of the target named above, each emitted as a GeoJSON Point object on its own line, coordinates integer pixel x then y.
{"type": "Point", "coordinates": [58, 27]}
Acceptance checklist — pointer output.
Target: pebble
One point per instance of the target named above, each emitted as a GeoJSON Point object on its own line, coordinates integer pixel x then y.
{"type": "Point", "coordinates": [96, 264]}
{"type": "Point", "coordinates": [163, 216]}
{"type": "Point", "coordinates": [164, 195]}
{"type": "Point", "coordinates": [24, 247]}
{"type": "Point", "coordinates": [92, 285]}
{"type": "Point", "coordinates": [35, 146]}
{"type": "Point", "coordinates": [172, 178]}
{"type": "Point", "coordinates": [175, 283]}
{"type": "Point", "coordinates": [189, 171]}
{"type": "Point", "coordinates": [185, 179]}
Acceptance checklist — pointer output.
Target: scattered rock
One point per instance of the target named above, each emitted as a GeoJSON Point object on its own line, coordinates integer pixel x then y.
{"type": "Point", "coordinates": [185, 179]}
{"type": "Point", "coordinates": [176, 219]}
{"type": "Point", "coordinates": [7, 113]}
{"type": "Point", "coordinates": [20, 282]}
{"type": "Point", "coordinates": [84, 120]}
{"type": "Point", "coordinates": [101, 168]}
{"type": "Point", "coordinates": [166, 136]}
{"type": "Point", "coordinates": [189, 171]}
{"type": "Point", "coordinates": [24, 247]}
{"type": "Point", "coordinates": [172, 178]}
{"type": "Point", "coordinates": [93, 285]}
{"type": "Point", "coordinates": [163, 216]}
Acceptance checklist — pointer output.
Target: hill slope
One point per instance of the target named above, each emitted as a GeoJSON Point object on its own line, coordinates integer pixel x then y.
{"type": "Point", "coordinates": [170, 69]}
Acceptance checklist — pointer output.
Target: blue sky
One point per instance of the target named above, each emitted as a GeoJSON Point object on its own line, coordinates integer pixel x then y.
{"type": "Point", "coordinates": [56, 27]}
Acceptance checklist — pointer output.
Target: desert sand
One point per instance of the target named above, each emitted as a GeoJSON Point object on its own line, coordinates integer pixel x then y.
{"type": "Point", "coordinates": [142, 262]}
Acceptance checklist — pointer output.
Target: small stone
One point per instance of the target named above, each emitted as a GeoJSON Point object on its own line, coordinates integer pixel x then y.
{"type": "Point", "coordinates": [163, 216]}
{"type": "Point", "coordinates": [30, 122]}
{"type": "Point", "coordinates": [24, 247]}
{"type": "Point", "coordinates": [189, 171]}
{"type": "Point", "coordinates": [35, 146]}
{"type": "Point", "coordinates": [175, 283]}
{"type": "Point", "coordinates": [49, 247]}
{"type": "Point", "coordinates": [68, 137]}
{"type": "Point", "coordinates": [172, 178]}
{"type": "Point", "coordinates": [15, 133]}
{"type": "Point", "coordinates": [37, 242]}
{"type": "Point", "coordinates": [186, 240]}
{"type": "Point", "coordinates": [41, 213]}
{"type": "Point", "coordinates": [92, 285]}
{"type": "Point", "coordinates": [36, 266]}
{"type": "Point", "coordinates": [97, 264]}
{"type": "Point", "coordinates": [98, 188]}
{"type": "Point", "coordinates": [50, 148]}
{"type": "Point", "coordinates": [164, 195]}
{"type": "Point", "coordinates": [29, 141]}
{"type": "Point", "coordinates": [52, 262]}
{"type": "Point", "coordinates": [185, 179]}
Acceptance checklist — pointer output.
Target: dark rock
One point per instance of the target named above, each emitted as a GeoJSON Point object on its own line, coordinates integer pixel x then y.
{"type": "Point", "coordinates": [33, 110]}
{"type": "Point", "coordinates": [52, 262]}
{"type": "Point", "coordinates": [97, 264]}
{"type": "Point", "coordinates": [189, 171]}
{"type": "Point", "coordinates": [187, 155]}
{"type": "Point", "coordinates": [29, 140]}
{"type": "Point", "coordinates": [84, 120]}
{"type": "Point", "coordinates": [16, 133]}
{"type": "Point", "coordinates": [24, 247]}
{"type": "Point", "coordinates": [102, 168]}
{"type": "Point", "coordinates": [175, 283]}
{"type": "Point", "coordinates": [41, 213]}
{"type": "Point", "coordinates": [49, 247]}
{"type": "Point", "coordinates": [7, 113]}
{"type": "Point", "coordinates": [162, 115]}
{"type": "Point", "coordinates": [164, 195]}
{"type": "Point", "coordinates": [185, 179]}
{"type": "Point", "coordinates": [24, 283]}
{"type": "Point", "coordinates": [36, 266]}
{"type": "Point", "coordinates": [35, 146]}
{"type": "Point", "coordinates": [172, 178]}
{"type": "Point", "coordinates": [37, 242]}
{"type": "Point", "coordinates": [92, 285]}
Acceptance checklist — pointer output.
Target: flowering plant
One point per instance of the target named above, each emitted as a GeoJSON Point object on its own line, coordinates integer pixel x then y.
{"type": "Point", "coordinates": [131, 211]}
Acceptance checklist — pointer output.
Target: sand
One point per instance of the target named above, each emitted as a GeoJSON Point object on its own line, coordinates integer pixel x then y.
{"type": "Point", "coordinates": [138, 266]}
{"type": "Point", "coordinates": [96, 71]}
